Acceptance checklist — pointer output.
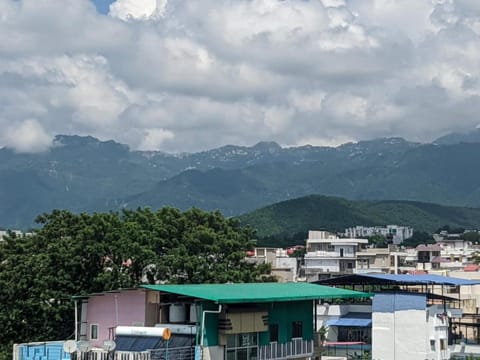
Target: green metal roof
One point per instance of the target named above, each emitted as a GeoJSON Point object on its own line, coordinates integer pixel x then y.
{"type": "Point", "coordinates": [258, 292]}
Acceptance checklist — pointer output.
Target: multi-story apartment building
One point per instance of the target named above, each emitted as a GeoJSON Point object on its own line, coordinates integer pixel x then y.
{"type": "Point", "coordinates": [395, 232]}
{"type": "Point", "coordinates": [284, 267]}
{"type": "Point", "coordinates": [327, 253]}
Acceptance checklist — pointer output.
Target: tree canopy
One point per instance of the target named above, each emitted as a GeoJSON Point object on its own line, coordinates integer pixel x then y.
{"type": "Point", "coordinates": [74, 254]}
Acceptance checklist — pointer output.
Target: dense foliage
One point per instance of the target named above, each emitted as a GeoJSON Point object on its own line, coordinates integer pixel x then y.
{"type": "Point", "coordinates": [74, 254]}
{"type": "Point", "coordinates": [419, 237]}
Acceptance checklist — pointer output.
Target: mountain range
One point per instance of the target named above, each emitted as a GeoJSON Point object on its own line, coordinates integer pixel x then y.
{"type": "Point", "coordinates": [288, 218]}
{"type": "Point", "coordinates": [86, 174]}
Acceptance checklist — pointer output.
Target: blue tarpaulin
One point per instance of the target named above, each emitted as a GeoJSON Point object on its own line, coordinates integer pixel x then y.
{"type": "Point", "coordinates": [352, 319]}
{"type": "Point", "coordinates": [393, 279]}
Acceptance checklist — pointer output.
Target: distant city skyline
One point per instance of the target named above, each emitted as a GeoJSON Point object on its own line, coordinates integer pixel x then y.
{"type": "Point", "coordinates": [186, 76]}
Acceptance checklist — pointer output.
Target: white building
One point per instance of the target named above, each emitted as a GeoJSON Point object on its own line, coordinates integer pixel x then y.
{"type": "Point", "coordinates": [403, 327]}
{"type": "Point", "coordinates": [397, 233]}
{"type": "Point", "coordinates": [327, 253]}
{"type": "Point", "coordinates": [345, 322]}
{"type": "Point", "coordinates": [450, 241]}
{"type": "Point", "coordinates": [284, 267]}
{"type": "Point", "coordinates": [16, 232]}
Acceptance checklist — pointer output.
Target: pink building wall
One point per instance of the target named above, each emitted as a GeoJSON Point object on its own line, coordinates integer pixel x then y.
{"type": "Point", "coordinates": [128, 307]}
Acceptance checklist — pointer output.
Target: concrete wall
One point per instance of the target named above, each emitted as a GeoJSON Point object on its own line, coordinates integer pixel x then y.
{"type": "Point", "coordinates": [403, 328]}
{"type": "Point", "coordinates": [125, 308]}
{"type": "Point", "coordinates": [213, 352]}
{"type": "Point", "coordinates": [400, 335]}
{"type": "Point", "coordinates": [327, 265]}
{"type": "Point", "coordinates": [285, 268]}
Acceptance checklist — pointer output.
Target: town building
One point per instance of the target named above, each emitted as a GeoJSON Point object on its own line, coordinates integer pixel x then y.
{"type": "Point", "coordinates": [428, 257]}
{"type": "Point", "coordinates": [394, 232]}
{"type": "Point", "coordinates": [284, 266]}
{"type": "Point", "coordinates": [327, 255]}
{"type": "Point", "coordinates": [373, 260]}
{"type": "Point", "coordinates": [452, 241]}
{"type": "Point", "coordinates": [409, 317]}
{"type": "Point", "coordinates": [206, 321]}
{"type": "Point", "coordinates": [405, 327]}
{"type": "Point", "coordinates": [17, 233]}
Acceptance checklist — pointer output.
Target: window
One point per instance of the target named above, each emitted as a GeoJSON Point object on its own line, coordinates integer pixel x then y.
{"type": "Point", "coordinates": [443, 344]}
{"type": "Point", "coordinates": [355, 334]}
{"type": "Point", "coordinates": [273, 332]}
{"type": "Point", "coordinates": [297, 329]}
{"type": "Point", "coordinates": [242, 346]}
{"type": "Point", "coordinates": [93, 331]}
{"type": "Point", "coordinates": [432, 345]}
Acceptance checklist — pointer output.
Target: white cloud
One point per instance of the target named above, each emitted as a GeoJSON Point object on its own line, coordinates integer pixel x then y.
{"type": "Point", "coordinates": [307, 102]}
{"type": "Point", "coordinates": [138, 9]}
{"type": "Point", "coordinates": [192, 75]}
{"type": "Point", "coordinates": [154, 138]}
{"type": "Point", "coordinates": [27, 136]}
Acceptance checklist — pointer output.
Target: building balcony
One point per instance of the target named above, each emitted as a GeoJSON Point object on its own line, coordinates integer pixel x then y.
{"type": "Point", "coordinates": [295, 349]}
{"type": "Point", "coordinates": [329, 254]}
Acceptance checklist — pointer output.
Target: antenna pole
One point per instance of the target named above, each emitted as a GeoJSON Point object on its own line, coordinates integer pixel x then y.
{"type": "Point", "coordinates": [116, 310]}
{"type": "Point", "coordinates": [76, 320]}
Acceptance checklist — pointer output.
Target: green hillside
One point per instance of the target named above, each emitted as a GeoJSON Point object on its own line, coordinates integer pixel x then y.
{"type": "Point", "coordinates": [288, 218]}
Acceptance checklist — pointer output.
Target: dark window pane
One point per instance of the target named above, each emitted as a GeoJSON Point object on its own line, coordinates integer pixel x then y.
{"type": "Point", "coordinates": [253, 339]}
{"type": "Point", "coordinates": [297, 329]}
{"type": "Point", "coordinates": [273, 332]}
{"type": "Point", "coordinates": [230, 341]}
{"type": "Point", "coordinates": [94, 332]}
{"type": "Point", "coordinates": [231, 355]}
{"type": "Point", "coordinates": [242, 354]}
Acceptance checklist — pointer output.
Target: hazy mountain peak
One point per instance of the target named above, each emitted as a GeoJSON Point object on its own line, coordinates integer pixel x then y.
{"type": "Point", "coordinates": [86, 142]}
{"type": "Point", "coordinates": [472, 136]}
{"type": "Point", "coordinates": [267, 146]}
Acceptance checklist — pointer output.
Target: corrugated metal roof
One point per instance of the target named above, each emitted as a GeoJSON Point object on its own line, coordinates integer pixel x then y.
{"type": "Point", "coordinates": [425, 279]}
{"type": "Point", "coordinates": [391, 302]}
{"type": "Point", "coordinates": [471, 267]}
{"type": "Point", "coordinates": [257, 292]}
{"type": "Point", "coordinates": [380, 279]}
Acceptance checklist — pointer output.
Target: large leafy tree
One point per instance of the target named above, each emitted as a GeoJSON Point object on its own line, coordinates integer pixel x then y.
{"type": "Point", "coordinates": [74, 254]}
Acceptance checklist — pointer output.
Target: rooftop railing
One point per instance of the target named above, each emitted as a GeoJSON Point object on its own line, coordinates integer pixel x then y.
{"type": "Point", "coordinates": [295, 349]}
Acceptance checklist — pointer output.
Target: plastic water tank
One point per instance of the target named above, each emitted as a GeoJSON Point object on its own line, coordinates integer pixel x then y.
{"type": "Point", "coordinates": [193, 318]}
{"type": "Point", "coordinates": [177, 313]}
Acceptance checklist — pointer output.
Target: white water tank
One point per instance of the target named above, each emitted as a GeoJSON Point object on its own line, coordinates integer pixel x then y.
{"type": "Point", "coordinates": [179, 328]}
{"type": "Point", "coordinates": [142, 331]}
{"type": "Point", "coordinates": [193, 318]}
{"type": "Point", "coordinates": [177, 313]}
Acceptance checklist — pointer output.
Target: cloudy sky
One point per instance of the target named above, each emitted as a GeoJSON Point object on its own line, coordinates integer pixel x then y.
{"type": "Point", "coordinates": [183, 75]}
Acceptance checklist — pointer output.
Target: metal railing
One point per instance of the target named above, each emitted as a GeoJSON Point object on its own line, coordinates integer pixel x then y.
{"type": "Point", "coordinates": [179, 353]}
{"type": "Point", "coordinates": [297, 348]}
{"type": "Point", "coordinates": [104, 355]}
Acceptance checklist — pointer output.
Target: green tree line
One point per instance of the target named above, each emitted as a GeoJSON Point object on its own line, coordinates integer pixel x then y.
{"type": "Point", "coordinates": [74, 254]}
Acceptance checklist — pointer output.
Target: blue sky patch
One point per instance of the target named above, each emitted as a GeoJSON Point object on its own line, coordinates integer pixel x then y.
{"type": "Point", "coordinates": [103, 5]}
